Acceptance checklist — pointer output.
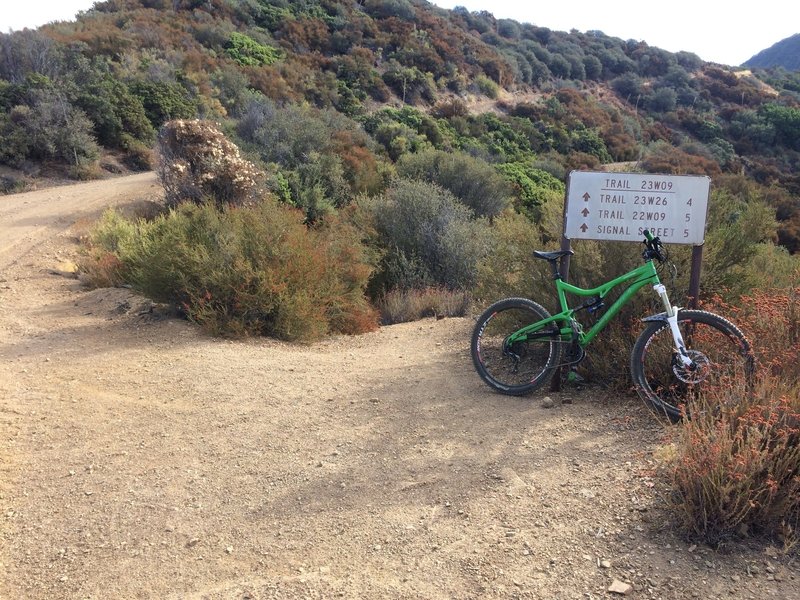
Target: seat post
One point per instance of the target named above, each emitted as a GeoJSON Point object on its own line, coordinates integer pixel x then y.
{"type": "Point", "coordinates": [554, 267]}
{"type": "Point", "coordinates": [565, 247]}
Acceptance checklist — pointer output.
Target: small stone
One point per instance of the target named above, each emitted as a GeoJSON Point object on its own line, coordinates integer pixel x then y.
{"type": "Point", "coordinates": [619, 587]}
{"type": "Point", "coordinates": [547, 402]}
{"type": "Point", "coordinates": [605, 564]}
{"type": "Point", "coordinates": [193, 542]}
{"type": "Point", "coordinates": [229, 549]}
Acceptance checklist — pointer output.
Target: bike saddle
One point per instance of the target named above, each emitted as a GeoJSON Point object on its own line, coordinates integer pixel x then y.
{"type": "Point", "coordinates": [552, 255]}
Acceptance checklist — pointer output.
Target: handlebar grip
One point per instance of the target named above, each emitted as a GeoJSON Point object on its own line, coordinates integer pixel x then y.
{"type": "Point", "coordinates": [648, 236]}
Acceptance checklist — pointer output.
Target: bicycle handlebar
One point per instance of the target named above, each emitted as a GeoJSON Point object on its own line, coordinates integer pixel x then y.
{"type": "Point", "coordinates": [653, 247]}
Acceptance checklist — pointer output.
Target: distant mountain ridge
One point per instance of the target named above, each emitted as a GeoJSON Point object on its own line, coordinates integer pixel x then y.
{"type": "Point", "coordinates": [785, 53]}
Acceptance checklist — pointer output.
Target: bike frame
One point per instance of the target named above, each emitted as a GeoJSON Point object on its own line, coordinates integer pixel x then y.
{"type": "Point", "coordinates": [637, 278]}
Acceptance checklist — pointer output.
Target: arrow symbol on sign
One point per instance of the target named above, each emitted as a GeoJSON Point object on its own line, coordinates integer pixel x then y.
{"type": "Point", "coordinates": [583, 228]}
{"type": "Point", "coordinates": [586, 197]}
{"type": "Point", "coordinates": [585, 212]}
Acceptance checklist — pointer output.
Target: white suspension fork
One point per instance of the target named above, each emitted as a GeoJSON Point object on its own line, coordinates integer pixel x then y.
{"type": "Point", "coordinates": [672, 319]}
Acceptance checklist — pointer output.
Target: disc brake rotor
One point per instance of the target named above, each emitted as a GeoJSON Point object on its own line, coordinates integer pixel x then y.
{"type": "Point", "coordinates": [694, 373]}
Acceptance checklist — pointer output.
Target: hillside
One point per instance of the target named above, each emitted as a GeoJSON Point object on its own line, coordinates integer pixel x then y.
{"type": "Point", "coordinates": [784, 54]}
{"type": "Point", "coordinates": [372, 81]}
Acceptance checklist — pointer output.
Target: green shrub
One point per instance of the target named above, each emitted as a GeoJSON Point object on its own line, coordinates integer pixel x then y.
{"type": "Point", "coordinates": [486, 86]}
{"type": "Point", "coordinates": [283, 135]}
{"type": "Point", "coordinates": [429, 237]}
{"type": "Point", "coordinates": [116, 113]}
{"type": "Point", "coordinates": [589, 142]}
{"type": "Point", "coordinates": [534, 187]}
{"type": "Point", "coordinates": [318, 186]}
{"type": "Point", "coordinates": [249, 53]}
{"type": "Point", "coordinates": [291, 135]}
{"type": "Point", "coordinates": [474, 182]}
{"type": "Point", "coordinates": [138, 155]}
{"type": "Point", "coordinates": [244, 271]}
{"type": "Point", "coordinates": [50, 128]}
{"type": "Point", "coordinates": [510, 269]}
{"type": "Point", "coordinates": [409, 83]}
{"type": "Point", "coordinates": [111, 238]}
{"type": "Point", "coordinates": [399, 139]}
{"type": "Point", "coordinates": [163, 101]}
{"type": "Point", "coordinates": [384, 9]}
{"type": "Point", "coordinates": [15, 142]}
{"type": "Point", "coordinates": [736, 227]}
{"type": "Point", "coordinates": [197, 163]}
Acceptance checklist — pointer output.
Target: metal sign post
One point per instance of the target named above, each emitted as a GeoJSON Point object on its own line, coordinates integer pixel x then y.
{"type": "Point", "coordinates": [620, 206]}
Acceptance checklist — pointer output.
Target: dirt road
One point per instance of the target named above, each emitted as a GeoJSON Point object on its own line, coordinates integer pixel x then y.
{"type": "Point", "coordinates": [140, 458]}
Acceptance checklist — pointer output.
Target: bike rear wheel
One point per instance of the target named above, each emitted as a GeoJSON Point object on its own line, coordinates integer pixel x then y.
{"type": "Point", "coordinates": [720, 353]}
{"type": "Point", "coordinates": [520, 367]}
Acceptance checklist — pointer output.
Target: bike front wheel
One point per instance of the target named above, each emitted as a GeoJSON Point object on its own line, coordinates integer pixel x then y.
{"type": "Point", "coordinates": [514, 367]}
{"type": "Point", "coordinates": [721, 356]}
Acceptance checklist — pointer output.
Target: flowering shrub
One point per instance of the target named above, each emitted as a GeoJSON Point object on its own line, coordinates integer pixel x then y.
{"type": "Point", "coordinates": [737, 469]}
{"type": "Point", "coordinates": [197, 163]}
{"type": "Point", "coordinates": [737, 463]}
{"type": "Point", "coordinates": [771, 320]}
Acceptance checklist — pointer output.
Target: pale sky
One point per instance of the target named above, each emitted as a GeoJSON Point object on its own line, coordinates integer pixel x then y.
{"type": "Point", "coordinates": [727, 33]}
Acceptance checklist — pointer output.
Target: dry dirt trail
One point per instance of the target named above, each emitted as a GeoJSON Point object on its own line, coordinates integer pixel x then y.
{"type": "Point", "coordinates": [140, 458]}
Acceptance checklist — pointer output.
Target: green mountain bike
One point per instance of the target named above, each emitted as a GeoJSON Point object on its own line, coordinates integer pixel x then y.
{"type": "Point", "coordinates": [517, 345]}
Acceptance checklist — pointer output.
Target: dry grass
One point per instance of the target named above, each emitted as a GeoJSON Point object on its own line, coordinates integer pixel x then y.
{"type": "Point", "coordinates": [402, 306]}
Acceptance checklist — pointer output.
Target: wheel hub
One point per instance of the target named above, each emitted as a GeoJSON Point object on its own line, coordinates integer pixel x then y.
{"type": "Point", "coordinates": [694, 373]}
